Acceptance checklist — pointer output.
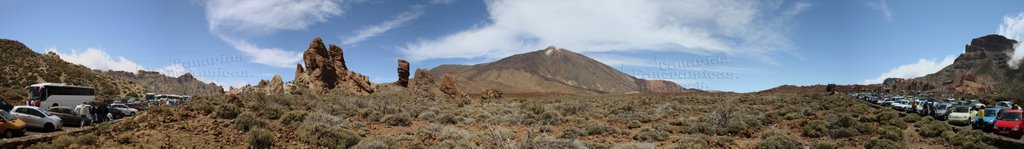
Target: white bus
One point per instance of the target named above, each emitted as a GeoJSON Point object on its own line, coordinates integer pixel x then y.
{"type": "Point", "coordinates": [62, 94]}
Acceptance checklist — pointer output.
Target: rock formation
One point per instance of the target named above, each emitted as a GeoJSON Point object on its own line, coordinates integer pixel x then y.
{"type": "Point", "coordinates": [491, 94]}
{"type": "Point", "coordinates": [326, 72]}
{"type": "Point", "coordinates": [403, 73]}
{"type": "Point", "coordinates": [450, 87]}
{"type": "Point", "coordinates": [275, 86]}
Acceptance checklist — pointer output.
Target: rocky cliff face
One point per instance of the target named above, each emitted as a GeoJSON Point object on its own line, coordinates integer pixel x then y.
{"type": "Point", "coordinates": [551, 70]}
{"type": "Point", "coordinates": [326, 72]}
{"type": "Point", "coordinates": [981, 70]}
{"type": "Point", "coordinates": [20, 67]}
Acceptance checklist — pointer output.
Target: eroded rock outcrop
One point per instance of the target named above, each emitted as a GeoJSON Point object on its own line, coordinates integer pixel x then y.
{"type": "Point", "coordinates": [326, 72]}
{"type": "Point", "coordinates": [450, 87]}
{"type": "Point", "coordinates": [403, 73]}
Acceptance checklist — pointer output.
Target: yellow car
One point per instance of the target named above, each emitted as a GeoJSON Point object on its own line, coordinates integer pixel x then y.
{"type": "Point", "coordinates": [11, 126]}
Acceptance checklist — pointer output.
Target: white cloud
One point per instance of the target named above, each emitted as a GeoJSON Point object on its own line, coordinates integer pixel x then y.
{"type": "Point", "coordinates": [1013, 28]}
{"type": "Point", "coordinates": [733, 27]}
{"type": "Point", "coordinates": [268, 16]}
{"type": "Point", "coordinates": [267, 56]}
{"type": "Point", "coordinates": [98, 59]}
{"type": "Point", "coordinates": [233, 21]}
{"type": "Point", "coordinates": [883, 6]}
{"type": "Point", "coordinates": [921, 68]}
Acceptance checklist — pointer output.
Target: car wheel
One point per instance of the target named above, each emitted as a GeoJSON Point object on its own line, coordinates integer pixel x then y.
{"type": "Point", "coordinates": [81, 123]}
{"type": "Point", "coordinates": [48, 127]}
{"type": "Point", "coordinates": [8, 134]}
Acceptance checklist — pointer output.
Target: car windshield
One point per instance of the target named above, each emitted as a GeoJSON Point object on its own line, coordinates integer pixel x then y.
{"type": "Point", "coordinates": [991, 112]}
{"type": "Point", "coordinates": [961, 109]}
{"type": "Point", "coordinates": [941, 106]}
{"type": "Point", "coordinates": [1010, 116]}
{"type": "Point", "coordinates": [7, 116]}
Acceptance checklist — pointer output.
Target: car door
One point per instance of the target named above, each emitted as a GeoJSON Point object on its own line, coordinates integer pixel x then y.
{"type": "Point", "coordinates": [30, 119]}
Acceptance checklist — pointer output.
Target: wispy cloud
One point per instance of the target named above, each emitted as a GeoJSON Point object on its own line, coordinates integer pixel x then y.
{"type": "Point", "coordinates": [883, 7]}
{"type": "Point", "coordinates": [414, 12]}
{"type": "Point", "coordinates": [233, 21]}
{"type": "Point", "coordinates": [732, 27]}
{"type": "Point", "coordinates": [98, 59]}
{"type": "Point", "coordinates": [921, 68]}
{"type": "Point", "coordinates": [1013, 28]}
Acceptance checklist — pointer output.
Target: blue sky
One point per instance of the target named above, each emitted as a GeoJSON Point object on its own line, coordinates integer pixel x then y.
{"type": "Point", "coordinates": [729, 45]}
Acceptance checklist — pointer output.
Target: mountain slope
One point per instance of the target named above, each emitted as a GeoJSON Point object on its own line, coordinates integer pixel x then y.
{"type": "Point", "coordinates": [22, 67]}
{"type": "Point", "coordinates": [981, 70]}
{"type": "Point", "coordinates": [158, 83]}
{"type": "Point", "coordinates": [552, 70]}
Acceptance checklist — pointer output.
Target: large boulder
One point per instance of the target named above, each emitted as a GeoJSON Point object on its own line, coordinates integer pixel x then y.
{"type": "Point", "coordinates": [403, 73]}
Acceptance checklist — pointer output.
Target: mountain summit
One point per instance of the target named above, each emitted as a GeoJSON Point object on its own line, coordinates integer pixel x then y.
{"type": "Point", "coordinates": [551, 70]}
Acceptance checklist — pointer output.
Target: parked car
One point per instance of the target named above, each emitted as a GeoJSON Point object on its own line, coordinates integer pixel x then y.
{"type": "Point", "coordinates": [1004, 104]}
{"type": "Point", "coordinates": [962, 115]}
{"type": "Point", "coordinates": [38, 118]}
{"type": "Point", "coordinates": [941, 110]}
{"type": "Point", "coordinates": [69, 117]}
{"type": "Point", "coordinates": [989, 121]}
{"type": "Point", "coordinates": [901, 105]}
{"type": "Point", "coordinates": [1009, 124]}
{"type": "Point", "coordinates": [124, 109]}
{"type": "Point", "coordinates": [11, 126]}
{"type": "Point", "coordinates": [975, 103]}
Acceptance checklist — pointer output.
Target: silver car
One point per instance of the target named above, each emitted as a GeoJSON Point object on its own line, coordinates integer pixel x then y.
{"type": "Point", "coordinates": [36, 117]}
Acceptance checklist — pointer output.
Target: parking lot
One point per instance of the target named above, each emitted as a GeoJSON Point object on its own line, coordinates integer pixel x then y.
{"type": "Point", "coordinates": [878, 101]}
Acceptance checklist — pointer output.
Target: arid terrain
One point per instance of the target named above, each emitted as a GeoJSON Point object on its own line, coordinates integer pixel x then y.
{"type": "Point", "coordinates": [708, 120]}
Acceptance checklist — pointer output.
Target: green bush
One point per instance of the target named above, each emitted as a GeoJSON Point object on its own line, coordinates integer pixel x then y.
{"type": "Point", "coordinates": [815, 128]}
{"type": "Point", "coordinates": [633, 124]}
{"type": "Point", "coordinates": [293, 117]}
{"type": "Point", "coordinates": [227, 111]}
{"type": "Point", "coordinates": [650, 135]}
{"type": "Point", "coordinates": [779, 141]}
{"type": "Point", "coordinates": [969, 139]}
{"type": "Point", "coordinates": [260, 138]}
{"type": "Point", "coordinates": [693, 141]}
{"type": "Point", "coordinates": [594, 127]}
{"type": "Point", "coordinates": [445, 118]}
{"type": "Point", "coordinates": [271, 113]}
{"type": "Point", "coordinates": [824, 145]}
{"type": "Point", "coordinates": [572, 133]}
{"type": "Point", "coordinates": [247, 121]}
{"type": "Point", "coordinates": [327, 136]}
{"type": "Point", "coordinates": [933, 129]}
{"type": "Point", "coordinates": [892, 133]}
{"type": "Point", "coordinates": [883, 144]}
{"type": "Point", "coordinates": [398, 120]}
{"type": "Point", "coordinates": [911, 118]}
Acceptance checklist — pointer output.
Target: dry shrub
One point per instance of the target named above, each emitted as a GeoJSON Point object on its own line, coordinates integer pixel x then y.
{"type": "Point", "coordinates": [261, 138]}
{"type": "Point", "coordinates": [327, 136]}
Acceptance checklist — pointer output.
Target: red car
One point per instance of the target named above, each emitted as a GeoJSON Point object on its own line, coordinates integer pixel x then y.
{"type": "Point", "coordinates": [1009, 123]}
